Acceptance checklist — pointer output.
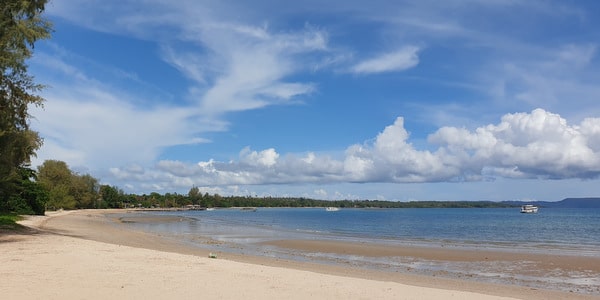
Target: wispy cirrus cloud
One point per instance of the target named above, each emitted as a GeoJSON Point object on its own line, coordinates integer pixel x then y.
{"type": "Point", "coordinates": [230, 67]}
{"type": "Point", "coordinates": [559, 79]}
{"type": "Point", "coordinates": [100, 116]}
{"type": "Point", "coordinates": [399, 60]}
{"type": "Point", "coordinates": [233, 66]}
{"type": "Point", "coordinates": [254, 68]}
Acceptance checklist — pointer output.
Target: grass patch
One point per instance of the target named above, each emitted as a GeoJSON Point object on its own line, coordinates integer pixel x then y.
{"type": "Point", "coordinates": [10, 221]}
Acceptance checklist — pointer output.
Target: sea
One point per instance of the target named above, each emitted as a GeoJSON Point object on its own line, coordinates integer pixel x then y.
{"type": "Point", "coordinates": [559, 231]}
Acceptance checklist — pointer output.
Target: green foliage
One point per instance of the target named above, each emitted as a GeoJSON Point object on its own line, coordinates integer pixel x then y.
{"type": "Point", "coordinates": [21, 25]}
{"type": "Point", "coordinates": [111, 197]}
{"type": "Point", "coordinates": [54, 172]}
{"type": "Point", "coordinates": [216, 200]}
{"type": "Point", "coordinates": [35, 196]}
{"type": "Point", "coordinates": [26, 197]}
{"type": "Point", "coordinates": [84, 190]}
{"type": "Point", "coordinates": [67, 190]}
{"type": "Point", "coordinates": [60, 198]}
{"type": "Point", "coordinates": [55, 176]}
{"type": "Point", "coordinates": [9, 221]}
{"type": "Point", "coordinates": [195, 196]}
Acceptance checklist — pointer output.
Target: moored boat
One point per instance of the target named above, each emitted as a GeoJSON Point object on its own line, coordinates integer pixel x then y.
{"type": "Point", "coordinates": [332, 208]}
{"type": "Point", "coordinates": [529, 209]}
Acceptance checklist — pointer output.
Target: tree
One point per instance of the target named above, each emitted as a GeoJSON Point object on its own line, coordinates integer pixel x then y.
{"type": "Point", "coordinates": [28, 198]}
{"type": "Point", "coordinates": [56, 177]}
{"type": "Point", "coordinates": [68, 189]}
{"type": "Point", "coordinates": [21, 25]}
{"type": "Point", "coordinates": [195, 195]}
{"type": "Point", "coordinates": [111, 196]}
{"type": "Point", "coordinates": [84, 189]}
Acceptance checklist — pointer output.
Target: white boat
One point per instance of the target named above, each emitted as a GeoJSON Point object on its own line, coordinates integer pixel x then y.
{"type": "Point", "coordinates": [529, 209]}
{"type": "Point", "coordinates": [332, 208]}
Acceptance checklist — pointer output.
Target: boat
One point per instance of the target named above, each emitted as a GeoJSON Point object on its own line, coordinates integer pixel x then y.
{"type": "Point", "coordinates": [529, 209]}
{"type": "Point", "coordinates": [331, 208]}
{"type": "Point", "coordinates": [194, 207]}
{"type": "Point", "coordinates": [252, 209]}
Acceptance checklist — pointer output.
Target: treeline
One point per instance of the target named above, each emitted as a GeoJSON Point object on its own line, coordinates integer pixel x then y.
{"type": "Point", "coordinates": [58, 187]}
{"type": "Point", "coordinates": [194, 197]}
{"type": "Point", "coordinates": [69, 190]}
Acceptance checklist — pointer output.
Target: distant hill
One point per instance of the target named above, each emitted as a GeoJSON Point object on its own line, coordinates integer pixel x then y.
{"type": "Point", "coordinates": [565, 203]}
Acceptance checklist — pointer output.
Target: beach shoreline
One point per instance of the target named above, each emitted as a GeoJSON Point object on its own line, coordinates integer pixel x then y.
{"type": "Point", "coordinates": [87, 230]}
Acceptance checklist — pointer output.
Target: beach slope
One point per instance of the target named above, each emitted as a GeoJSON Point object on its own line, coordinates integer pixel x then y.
{"type": "Point", "coordinates": [57, 264]}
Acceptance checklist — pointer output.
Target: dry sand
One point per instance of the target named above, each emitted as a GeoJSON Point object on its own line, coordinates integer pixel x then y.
{"type": "Point", "coordinates": [83, 255]}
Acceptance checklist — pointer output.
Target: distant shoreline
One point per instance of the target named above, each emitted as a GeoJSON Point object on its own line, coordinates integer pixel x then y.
{"type": "Point", "coordinates": [590, 202]}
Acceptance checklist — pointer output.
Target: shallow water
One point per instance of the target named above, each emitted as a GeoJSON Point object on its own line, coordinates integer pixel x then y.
{"type": "Point", "coordinates": [561, 230]}
{"type": "Point", "coordinates": [551, 231]}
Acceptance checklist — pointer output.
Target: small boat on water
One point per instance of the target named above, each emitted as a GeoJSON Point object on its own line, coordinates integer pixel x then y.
{"type": "Point", "coordinates": [529, 209]}
{"type": "Point", "coordinates": [194, 207]}
{"type": "Point", "coordinates": [252, 209]}
{"type": "Point", "coordinates": [332, 208]}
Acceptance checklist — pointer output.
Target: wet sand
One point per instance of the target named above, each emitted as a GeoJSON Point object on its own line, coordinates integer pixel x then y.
{"type": "Point", "coordinates": [68, 255]}
{"type": "Point", "coordinates": [544, 263]}
{"type": "Point", "coordinates": [537, 270]}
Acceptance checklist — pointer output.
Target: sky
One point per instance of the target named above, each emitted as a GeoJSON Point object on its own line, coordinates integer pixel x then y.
{"type": "Point", "coordinates": [388, 100]}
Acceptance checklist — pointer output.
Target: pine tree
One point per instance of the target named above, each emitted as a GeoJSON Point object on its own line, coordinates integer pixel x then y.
{"type": "Point", "coordinates": [21, 25]}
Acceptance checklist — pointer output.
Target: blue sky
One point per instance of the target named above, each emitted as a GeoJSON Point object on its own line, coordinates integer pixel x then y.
{"type": "Point", "coordinates": [393, 100]}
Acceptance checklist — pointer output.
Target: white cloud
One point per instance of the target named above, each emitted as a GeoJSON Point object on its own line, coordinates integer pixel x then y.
{"type": "Point", "coordinates": [560, 78]}
{"type": "Point", "coordinates": [92, 118]}
{"type": "Point", "coordinates": [321, 193]}
{"type": "Point", "coordinates": [88, 123]}
{"type": "Point", "coordinates": [233, 65]}
{"type": "Point", "coordinates": [576, 55]}
{"type": "Point", "coordinates": [266, 158]}
{"type": "Point", "coordinates": [107, 130]}
{"type": "Point", "coordinates": [539, 144]}
{"type": "Point", "coordinates": [253, 68]}
{"type": "Point", "coordinates": [399, 60]}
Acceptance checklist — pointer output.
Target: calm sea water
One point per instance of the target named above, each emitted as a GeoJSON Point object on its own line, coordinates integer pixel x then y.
{"type": "Point", "coordinates": [551, 231]}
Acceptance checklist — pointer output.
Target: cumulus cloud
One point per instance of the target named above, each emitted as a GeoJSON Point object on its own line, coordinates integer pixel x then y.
{"type": "Point", "coordinates": [399, 60]}
{"type": "Point", "coordinates": [265, 158]}
{"type": "Point", "coordinates": [538, 144]}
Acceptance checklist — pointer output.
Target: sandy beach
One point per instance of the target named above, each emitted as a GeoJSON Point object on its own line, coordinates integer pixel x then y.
{"type": "Point", "coordinates": [85, 255]}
